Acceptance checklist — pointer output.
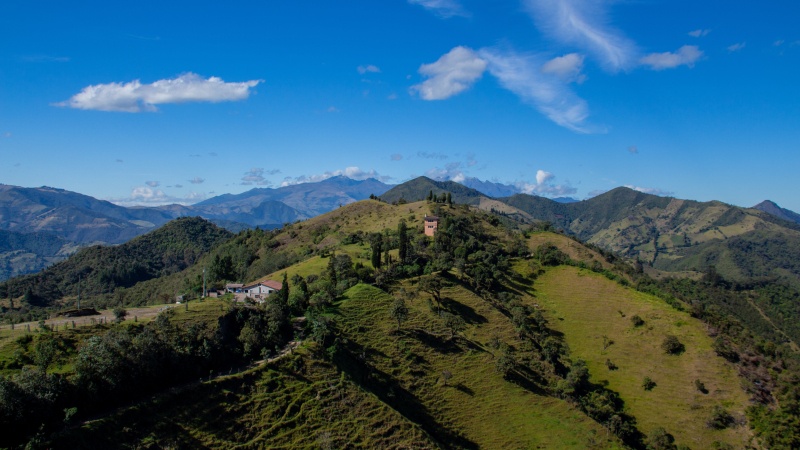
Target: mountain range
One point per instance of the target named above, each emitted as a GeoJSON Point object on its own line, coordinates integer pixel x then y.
{"type": "Point", "coordinates": [44, 225]}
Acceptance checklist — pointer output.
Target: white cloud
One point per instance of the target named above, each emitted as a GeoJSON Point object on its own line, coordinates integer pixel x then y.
{"type": "Point", "coordinates": [137, 97]}
{"type": "Point", "coordinates": [7, 134]}
{"type": "Point", "coordinates": [583, 23]}
{"type": "Point", "coordinates": [197, 180]}
{"type": "Point", "coordinates": [653, 191]}
{"type": "Point", "coordinates": [451, 171]}
{"type": "Point", "coordinates": [256, 176]}
{"type": "Point", "coordinates": [195, 197]}
{"type": "Point", "coordinates": [736, 47]}
{"type": "Point", "coordinates": [543, 176]}
{"type": "Point", "coordinates": [443, 8]}
{"type": "Point", "coordinates": [521, 75]}
{"type": "Point", "coordinates": [544, 186]}
{"type": "Point", "coordinates": [685, 56]}
{"type": "Point", "coordinates": [353, 172]}
{"type": "Point", "coordinates": [147, 196]}
{"type": "Point", "coordinates": [451, 74]}
{"type": "Point", "coordinates": [396, 157]}
{"type": "Point", "coordinates": [699, 33]}
{"type": "Point", "coordinates": [332, 109]}
{"type": "Point", "coordinates": [368, 69]}
{"type": "Point", "coordinates": [633, 149]}
{"type": "Point", "coordinates": [567, 67]}
{"type": "Point", "coordinates": [152, 184]}
{"type": "Point", "coordinates": [778, 43]}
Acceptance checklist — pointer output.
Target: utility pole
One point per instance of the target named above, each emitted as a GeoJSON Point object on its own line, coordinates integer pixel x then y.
{"type": "Point", "coordinates": [79, 292]}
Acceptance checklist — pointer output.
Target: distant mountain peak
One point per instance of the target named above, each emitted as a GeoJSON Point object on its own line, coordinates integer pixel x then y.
{"type": "Point", "coordinates": [772, 208]}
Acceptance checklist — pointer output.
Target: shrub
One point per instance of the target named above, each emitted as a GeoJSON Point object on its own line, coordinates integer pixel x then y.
{"type": "Point", "coordinates": [672, 345]}
{"type": "Point", "coordinates": [700, 386]}
{"type": "Point", "coordinates": [637, 321]}
{"type": "Point", "coordinates": [659, 439]}
{"type": "Point", "coordinates": [720, 418]}
{"type": "Point", "coordinates": [648, 384]}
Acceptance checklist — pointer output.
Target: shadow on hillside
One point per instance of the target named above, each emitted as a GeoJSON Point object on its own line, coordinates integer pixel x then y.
{"type": "Point", "coordinates": [464, 389]}
{"type": "Point", "coordinates": [442, 344]}
{"type": "Point", "coordinates": [468, 313]}
{"type": "Point", "coordinates": [386, 388]}
{"type": "Point", "coordinates": [528, 380]}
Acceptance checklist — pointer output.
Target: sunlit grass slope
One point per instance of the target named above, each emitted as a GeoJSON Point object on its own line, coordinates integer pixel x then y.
{"type": "Point", "coordinates": [477, 407]}
{"type": "Point", "coordinates": [592, 311]}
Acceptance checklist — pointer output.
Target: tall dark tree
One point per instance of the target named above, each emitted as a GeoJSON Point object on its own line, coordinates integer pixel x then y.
{"type": "Point", "coordinates": [283, 294]}
{"type": "Point", "coordinates": [376, 242]}
{"type": "Point", "coordinates": [402, 241]}
{"type": "Point", "coordinates": [222, 269]}
{"type": "Point", "coordinates": [449, 199]}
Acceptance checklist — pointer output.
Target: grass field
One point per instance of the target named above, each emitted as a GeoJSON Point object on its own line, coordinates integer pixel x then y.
{"type": "Point", "coordinates": [586, 307]}
{"type": "Point", "coordinates": [477, 405]}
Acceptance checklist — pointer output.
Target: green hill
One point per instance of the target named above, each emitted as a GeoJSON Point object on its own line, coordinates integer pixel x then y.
{"type": "Point", "coordinates": [480, 337]}
{"type": "Point", "coordinates": [420, 188]}
{"type": "Point", "coordinates": [100, 270]}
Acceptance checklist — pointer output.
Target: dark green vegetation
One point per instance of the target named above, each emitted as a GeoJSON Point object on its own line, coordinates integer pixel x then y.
{"type": "Point", "coordinates": [107, 271]}
{"type": "Point", "coordinates": [420, 188]}
{"type": "Point", "coordinates": [111, 366]}
{"type": "Point", "coordinates": [485, 336]}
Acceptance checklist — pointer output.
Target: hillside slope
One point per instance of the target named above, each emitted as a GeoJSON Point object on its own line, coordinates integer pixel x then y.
{"type": "Point", "coordinates": [24, 253]}
{"type": "Point", "coordinates": [419, 188]}
{"type": "Point", "coordinates": [676, 235]}
{"type": "Point", "coordinates": [101, 270]}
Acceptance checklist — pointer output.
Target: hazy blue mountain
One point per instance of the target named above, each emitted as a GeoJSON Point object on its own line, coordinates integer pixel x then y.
{"type": "Point", "coordinates": [489, 188]}
{"type": "Point", "coordinates": [24, 253]}
{"type": "Point", "coordinates": [72, 216]}
{"type": "Point", "coordinates": [771, 207]}
{"type": "Point", "coordinates": [307, 199]}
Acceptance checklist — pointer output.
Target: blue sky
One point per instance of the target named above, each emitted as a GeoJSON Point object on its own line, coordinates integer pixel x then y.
{"type": "Point", "coordinates": [158, 102]}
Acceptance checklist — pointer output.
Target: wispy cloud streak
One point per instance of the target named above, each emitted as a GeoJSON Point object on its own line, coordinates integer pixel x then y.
{"type": "Point", "coordinates": [521, 75]}
{"type": "Point", "coordinates": [583, 23]}
{"type": "Point", "coordinates": [442, 8]}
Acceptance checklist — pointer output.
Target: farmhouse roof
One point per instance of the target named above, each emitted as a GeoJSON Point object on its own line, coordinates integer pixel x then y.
{"type": "Point", "coordinates": [277, 285]}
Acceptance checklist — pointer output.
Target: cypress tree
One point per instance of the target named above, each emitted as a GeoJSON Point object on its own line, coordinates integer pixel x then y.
{"type": "Point", "coordinates": [402, 237]}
